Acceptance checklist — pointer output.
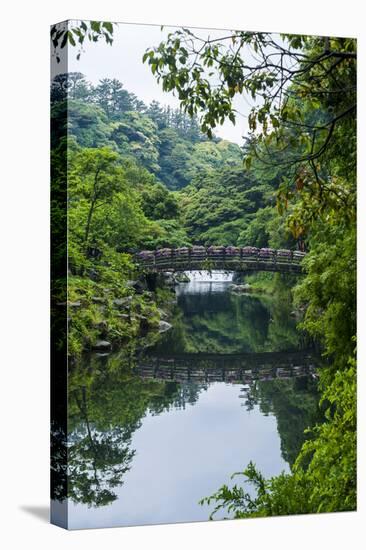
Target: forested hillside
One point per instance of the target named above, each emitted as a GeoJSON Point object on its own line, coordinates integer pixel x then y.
{"type": "Point", "coordinates": [160, 151]}
{"type": "Point", "coordinates": [165, 141]}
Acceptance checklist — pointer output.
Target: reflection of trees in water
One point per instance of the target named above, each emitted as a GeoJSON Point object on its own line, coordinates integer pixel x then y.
{"type": "Point", "coordinates": [106, 405]}
{"type": "Point", "coordinates": [107, 400]}
{"type": "Point", "coordinates": [186, 393]}
{"type": "Point", "coordinates": [229, 323]}
{"type": "Point", "coordinates": [294, 403]}
{"type": "Point", "coordinates": [59, 460]}
{"type": "Point", "coordinates": [97, 459]}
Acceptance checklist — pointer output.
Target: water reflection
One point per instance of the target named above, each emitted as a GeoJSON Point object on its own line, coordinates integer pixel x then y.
{"type": "Point", "coordinates": [210, 318]}
{"type": "Point", "coordinates": [150, 435]}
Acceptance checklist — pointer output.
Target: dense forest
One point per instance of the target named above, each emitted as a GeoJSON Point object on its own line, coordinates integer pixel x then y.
{"type": "Point", "coordinates": [150, 176]}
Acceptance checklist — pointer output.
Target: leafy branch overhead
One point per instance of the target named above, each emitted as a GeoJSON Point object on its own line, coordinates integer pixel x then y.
{"type": "Point", "coordinates": [207, 73]}
{"type": "Point", "coordinates": [303, 94]}
{"type": "Point", "coordinates": [76, 33]}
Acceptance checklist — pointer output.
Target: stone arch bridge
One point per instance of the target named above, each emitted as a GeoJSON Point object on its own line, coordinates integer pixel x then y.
{"type": "Point", "coordinates": [225, 258]}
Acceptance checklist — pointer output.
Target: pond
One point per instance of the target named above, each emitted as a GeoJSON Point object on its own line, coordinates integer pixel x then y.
{"type": "Point", "coordinates": [149, 437]}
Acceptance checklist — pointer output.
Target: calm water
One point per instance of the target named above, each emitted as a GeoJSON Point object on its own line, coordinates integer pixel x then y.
{"type": "Point", "coordinates": [150, 438]}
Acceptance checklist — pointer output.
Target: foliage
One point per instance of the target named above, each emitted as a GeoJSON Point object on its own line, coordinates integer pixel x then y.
{"type": "Point", "coordinates": [84, 122]}
{"type": "Point", "coordinates": [77, 32]}
{"type": "Point", "coordinates": [329, 291]}
{"type": "Point", "coordinates": [218, 205]}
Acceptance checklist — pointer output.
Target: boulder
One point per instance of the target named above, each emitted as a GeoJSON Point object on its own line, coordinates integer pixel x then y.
{"type": "Point", "coordinates": [169, 279]}
{"type": "Point", "coordinates": [162, 314]}
{"type": "Point", "coordinates": [123, 302]}
{"type": "Point", "coordinates": [93, 274]}
{"type": "Point", "coordinates": [296, 314]}
{"type": "Point", "coordinates": [102, 345]}
{"type": "Point", "coordinates": [164, 326]}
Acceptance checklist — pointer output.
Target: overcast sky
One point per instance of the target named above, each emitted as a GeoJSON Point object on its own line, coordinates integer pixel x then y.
{"type": "Point", "coordinates": [123, 60]}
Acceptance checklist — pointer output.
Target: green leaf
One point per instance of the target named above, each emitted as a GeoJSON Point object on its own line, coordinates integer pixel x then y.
{"type": "Point", "coordinates": [95, 26]}
{"type": "Point", "coordinates": [71, 39]}
{"type": "Point", "coordinates": [108, 26]}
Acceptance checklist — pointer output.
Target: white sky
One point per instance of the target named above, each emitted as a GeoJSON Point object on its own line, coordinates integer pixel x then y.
{"type": "Point", "coordinates": [123, 60]}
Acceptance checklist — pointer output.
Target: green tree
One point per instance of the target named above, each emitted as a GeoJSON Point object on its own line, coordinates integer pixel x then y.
{"type": "Point", "coordinates": [110, 95]}
{"type": "Point", "coordinates": [87, 123]}
{"type": "Point", "coordinates": [136, 135]}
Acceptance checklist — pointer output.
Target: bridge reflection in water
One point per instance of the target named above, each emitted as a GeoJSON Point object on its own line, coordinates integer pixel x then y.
{"type": "Point", "coordinates": [241, 368]}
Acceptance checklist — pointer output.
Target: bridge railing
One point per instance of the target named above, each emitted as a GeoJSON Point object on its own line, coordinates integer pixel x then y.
{"type": "Point", "coordinates": [219, 257]}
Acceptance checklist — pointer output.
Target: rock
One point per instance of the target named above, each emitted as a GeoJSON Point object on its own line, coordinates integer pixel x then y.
{"type": "Point", "coordinates": [164, 326]}
{"type": "Point", "coordinates": [162, 314]}
{"type": "Point", "coordinates": [169, 278]}
{"type": "Point", "coordinates": [93, 274]}
{"type": "Point", "coordinates": [102, 345]}
{"type": "Point", "coordinates": [120, 302]}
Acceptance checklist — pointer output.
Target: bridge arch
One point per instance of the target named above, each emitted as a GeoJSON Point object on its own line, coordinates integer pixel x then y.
{"type": "Point", "coordinates": [225, 258]}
